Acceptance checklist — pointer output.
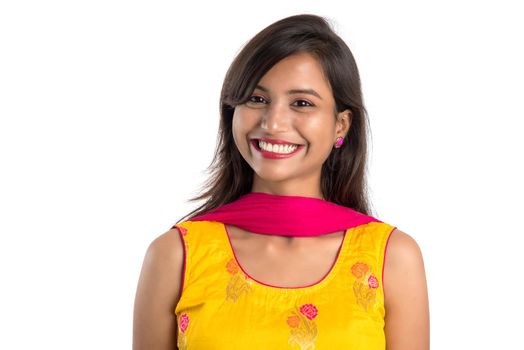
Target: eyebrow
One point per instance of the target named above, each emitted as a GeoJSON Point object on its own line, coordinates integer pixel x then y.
{"type": "Point", "coordinates": [294, 91]}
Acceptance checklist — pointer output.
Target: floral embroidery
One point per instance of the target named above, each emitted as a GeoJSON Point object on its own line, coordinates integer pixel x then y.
{"type": "Point", "coordinates": [372, 282]}
{"type": "Point", "coordinates": [238, 283]}
{"type": "Point", "coordinates": [365, 285]}
{"type": "Point", "coordinates": [183, 322]}
{"type": "Point", "coordinates": [183, 230]}
{"type": "Point", "coordinates": [293, 321]}
{"type": "Point", "coordinates": [303, 330]}
{"type": "Point", "coordinates": [359, 269]}
{"type": "Point", "coordinates": [309, 310]}
{"type": "Point", "coordinates": [232, 266]}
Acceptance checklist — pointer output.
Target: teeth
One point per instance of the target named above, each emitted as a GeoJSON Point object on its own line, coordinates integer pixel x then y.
{"type": "Point", "coordinates": [285, 149]}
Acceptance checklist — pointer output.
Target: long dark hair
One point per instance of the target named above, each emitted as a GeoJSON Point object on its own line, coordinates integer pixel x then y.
{"type": "Point", "coordinates": [343, 175]}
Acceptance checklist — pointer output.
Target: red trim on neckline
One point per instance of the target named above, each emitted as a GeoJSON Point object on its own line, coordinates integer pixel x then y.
{"type": "Point", "coordinates": [335, 263]}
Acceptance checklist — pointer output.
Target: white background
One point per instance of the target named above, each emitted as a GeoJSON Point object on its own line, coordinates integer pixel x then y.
{"type": "Point", "coordinates": [109, 116]}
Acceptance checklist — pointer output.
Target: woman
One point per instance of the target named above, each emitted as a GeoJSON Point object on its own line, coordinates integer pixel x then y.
{"type": "Point", "coordinates": [283, 253]}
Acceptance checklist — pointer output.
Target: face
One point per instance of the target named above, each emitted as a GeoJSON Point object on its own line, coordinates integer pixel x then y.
{"type": "Point", "coordinates": [292, 105]}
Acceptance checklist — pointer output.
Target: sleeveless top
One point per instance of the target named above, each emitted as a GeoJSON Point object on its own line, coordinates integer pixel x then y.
{"type": "Point", "coordinates": [222, 307]}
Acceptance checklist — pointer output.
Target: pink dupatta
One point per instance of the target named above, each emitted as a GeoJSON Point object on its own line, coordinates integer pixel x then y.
{"type": "Point", "coordinates": [293, 216]}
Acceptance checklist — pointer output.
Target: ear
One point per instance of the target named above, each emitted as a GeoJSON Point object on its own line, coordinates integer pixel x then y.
{"type": "Point", "coordinates": [343, 123]}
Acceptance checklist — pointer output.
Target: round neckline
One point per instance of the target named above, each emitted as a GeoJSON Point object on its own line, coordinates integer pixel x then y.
{"type": "Point", "coordinates": [331, 273]}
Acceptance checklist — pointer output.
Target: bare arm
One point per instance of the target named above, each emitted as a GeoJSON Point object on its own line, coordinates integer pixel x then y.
{"type": "Point", "coordinates": [406, 295]}
{"type": "Point", "coordinates": [154, 322]}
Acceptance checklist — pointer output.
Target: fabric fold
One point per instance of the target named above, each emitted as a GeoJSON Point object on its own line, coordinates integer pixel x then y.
{"type": "Point", "coordinates": [293, 216]}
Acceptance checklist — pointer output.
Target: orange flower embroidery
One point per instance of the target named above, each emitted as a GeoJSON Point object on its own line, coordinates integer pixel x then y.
{"type": "Point", "coordinates": [232, 266]}
{"type": "Point", "coordinates": [303, 330]}
{"type": "Point", "coordinates": [183, 322]}
{"type": "Point", "coordinates": [359, 269]}
{"type": "Point", "coordinates": [365, 285]}
{"type": "Point", "coordinates": [293, 321]}
{"type": "Point", "coordinates": [238, 283]}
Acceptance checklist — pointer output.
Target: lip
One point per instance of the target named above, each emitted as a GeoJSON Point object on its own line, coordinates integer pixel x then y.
{"type": "Point", "coordinates": [271, 155]}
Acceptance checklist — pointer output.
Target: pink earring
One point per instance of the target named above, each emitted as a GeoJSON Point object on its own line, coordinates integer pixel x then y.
{"type": "Point", "coordinates": [340, 141]}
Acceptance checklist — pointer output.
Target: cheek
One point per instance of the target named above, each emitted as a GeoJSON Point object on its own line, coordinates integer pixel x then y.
{"type": "Point", "coordinates": [319, 130]}
{"type": "Point", "coordinates": [234, 127]}
{"type": "Point", "coordinates": [240, 130]}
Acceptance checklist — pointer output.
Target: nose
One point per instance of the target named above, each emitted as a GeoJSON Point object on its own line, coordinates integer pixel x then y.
{"type": "Point", "coordinates": [276, 118]}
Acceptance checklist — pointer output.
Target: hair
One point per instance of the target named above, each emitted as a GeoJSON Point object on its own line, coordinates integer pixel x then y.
{"type": "Point", "coordinates": [343, 174]}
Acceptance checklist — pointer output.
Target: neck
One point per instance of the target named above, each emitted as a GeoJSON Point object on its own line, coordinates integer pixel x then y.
{"type": "Point", "coordinates": [289, 191]}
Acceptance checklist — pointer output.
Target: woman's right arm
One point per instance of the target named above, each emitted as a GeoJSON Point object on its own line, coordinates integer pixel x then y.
{"type": "Point", "coordinates": [154, 321]}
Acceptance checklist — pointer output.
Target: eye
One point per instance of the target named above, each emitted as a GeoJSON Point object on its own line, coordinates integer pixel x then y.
{"type": "Point", "coordinates": [301, 103]}
{"type": "Point", "coordinates": [256, 99]}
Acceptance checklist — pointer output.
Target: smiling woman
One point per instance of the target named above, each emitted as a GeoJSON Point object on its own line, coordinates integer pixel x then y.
{"type": "Point", "coordinates": [284, 252]}
{"type": "Point", "coordinates": [294, 102]}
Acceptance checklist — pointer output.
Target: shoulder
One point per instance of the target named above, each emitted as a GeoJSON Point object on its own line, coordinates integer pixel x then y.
{"type": "Point", "coordinates": [403, 265]}
{"type": "Point", "coordinates": [165, 253]}
{"type": "Point", "coordinates": [158, 293]}
{"type": "Point", "coordinates": [405, 293]}
{"type": "Point", "coordinates": [402, 251]}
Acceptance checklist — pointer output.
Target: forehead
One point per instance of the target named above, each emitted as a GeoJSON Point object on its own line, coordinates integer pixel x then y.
{"type": "Point", "coordinates": [301, 70]}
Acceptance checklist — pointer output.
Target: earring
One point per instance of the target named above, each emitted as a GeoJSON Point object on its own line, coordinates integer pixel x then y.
{"type": "Point", "coordinates": [339, 143]}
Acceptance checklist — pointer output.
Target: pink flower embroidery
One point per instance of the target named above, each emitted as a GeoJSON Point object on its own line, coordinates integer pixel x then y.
{"type": "Point", "coordinates": [183, 230]}
{"type": "Point", "coordinates": [372, 282]}
{"type": "Point", "coordinates": [309, 310]}
{"type": "Point", "coordinates": [183, 322]}
{"type": "Point", "coordinates": [365, 285]}
{"type": "Point", "coordinates": [302, 328]}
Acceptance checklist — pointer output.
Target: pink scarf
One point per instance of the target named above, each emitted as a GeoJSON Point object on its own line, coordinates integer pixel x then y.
{"type": "Point", "coordinates": [294, 216]}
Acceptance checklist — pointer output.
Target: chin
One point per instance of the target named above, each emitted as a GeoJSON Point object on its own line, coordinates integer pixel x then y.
{"type": "Point", "coordinates": [273, 175]}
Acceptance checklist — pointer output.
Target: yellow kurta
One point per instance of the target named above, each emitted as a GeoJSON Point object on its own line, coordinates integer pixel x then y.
{"type": "Point", "coordinates": [222, 307]}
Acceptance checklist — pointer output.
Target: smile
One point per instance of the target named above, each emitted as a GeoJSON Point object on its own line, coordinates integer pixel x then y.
{"type": "Point", "coordinates": [275, 151]}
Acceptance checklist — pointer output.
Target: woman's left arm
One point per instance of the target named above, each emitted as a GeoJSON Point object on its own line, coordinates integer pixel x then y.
{"type": "Point", "coordinates": [405, 295]}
